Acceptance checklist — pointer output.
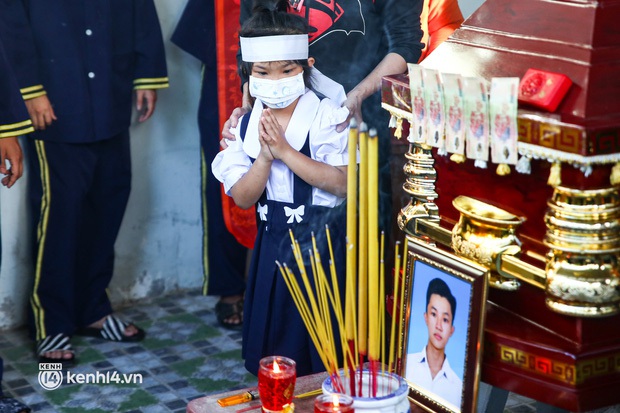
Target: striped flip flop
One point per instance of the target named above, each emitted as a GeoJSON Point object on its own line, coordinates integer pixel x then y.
{"type": "Point", "coordinates": [59, 342]}
{"type": "Point", "coordinates": [113, 330]}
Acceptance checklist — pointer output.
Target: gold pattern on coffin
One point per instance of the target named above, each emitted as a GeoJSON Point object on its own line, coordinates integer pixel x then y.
{"type": "Point", "coordinates": [570, 373]}
{"type": "Point", "coordinates": [583, 234]}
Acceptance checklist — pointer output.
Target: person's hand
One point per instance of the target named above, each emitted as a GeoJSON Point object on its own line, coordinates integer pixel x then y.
{"type": "Point", "coordinates": [145, 103]}
{"type": "Point", "coordinates": [232, 122]}
{"type": "Point", "coordinates": [354, 104]}
{"type": "Point", "coordinates": [41, 112]}
{"type": "Point", "coordinates": [10, 151]}
{"type": "Point", "coordinates": [271, 135]}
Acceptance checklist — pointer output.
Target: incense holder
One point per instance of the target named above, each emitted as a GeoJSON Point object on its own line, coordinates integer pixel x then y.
{"type": "Point", "coordinates": [390, 397]}
{"type": "Point", "coordinates": [482, 233]}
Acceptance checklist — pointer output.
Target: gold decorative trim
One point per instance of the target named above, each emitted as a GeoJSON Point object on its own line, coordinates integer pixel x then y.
{"type": "Point", "coordinates": [570, 373]}
{"type": "Point", "coordinates": [554, 155]}
{"type": "Point", "coordinates": [397, 112]}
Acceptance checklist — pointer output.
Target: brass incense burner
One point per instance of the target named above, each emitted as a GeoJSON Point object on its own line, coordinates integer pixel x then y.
{"type": "Point", "coordinates": [482, 234]}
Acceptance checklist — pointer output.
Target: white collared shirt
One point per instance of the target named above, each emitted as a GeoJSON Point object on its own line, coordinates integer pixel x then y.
{"type": "Point", "coordinates": [312, 117]}
{"type": "Point", "coordinates": [446, 383]}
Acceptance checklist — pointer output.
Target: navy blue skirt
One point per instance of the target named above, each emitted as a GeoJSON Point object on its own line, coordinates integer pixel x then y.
{"type": "Point", "coordinates": [272, 324]}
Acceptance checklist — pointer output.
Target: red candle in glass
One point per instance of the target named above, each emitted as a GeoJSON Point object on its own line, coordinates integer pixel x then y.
{"type": "Point", "coordinates": [276, 382]}
{"type": "Point", "coordinates": [332, 403]}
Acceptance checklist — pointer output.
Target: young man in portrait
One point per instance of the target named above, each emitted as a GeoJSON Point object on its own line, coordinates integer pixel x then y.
{"type": "Point", "coordinates": [430, 368]}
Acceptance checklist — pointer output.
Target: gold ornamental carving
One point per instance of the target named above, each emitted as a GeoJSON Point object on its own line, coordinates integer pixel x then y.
{"type": "Point", "coordinates": [573, 373]}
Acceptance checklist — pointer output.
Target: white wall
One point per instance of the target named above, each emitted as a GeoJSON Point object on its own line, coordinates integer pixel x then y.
{"type": "Point", "coordinates": [159, 246]}
{"type": "Point", "coordinates": [469, 6]}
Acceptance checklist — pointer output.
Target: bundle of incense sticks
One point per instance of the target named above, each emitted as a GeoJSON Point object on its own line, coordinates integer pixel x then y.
{"type": "Point", "coordinates": [360, 324]}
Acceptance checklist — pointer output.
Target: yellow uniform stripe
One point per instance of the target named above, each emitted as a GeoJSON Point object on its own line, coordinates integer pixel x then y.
{"type": "Point", "coordinates": [203, 186]}
{"type": "Point", "coordinates": [28, 96]}
{"type": "Point", "coordinates": [38, 311]}
{"type": "Point", "coordinates": [16, 129]}
{"type": "Point", "coordinates": [15, 125]}
{"type": "Point", "coordinates": [205, 240]}
{"type": "Point", "coordinates": [31, 89]}
{"type": "Point", "coordinates": [150, 80]}
{"type": "Point", "coordinates": [152, 83]}
{"type": "Point", "coordinates": [151, 87]}
{"type": "Point", "coordinates": [17, 132]}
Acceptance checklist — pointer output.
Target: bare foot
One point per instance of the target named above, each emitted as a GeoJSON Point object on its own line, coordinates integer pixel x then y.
{"type": "Point", "coordinates": [59, 354]}
{"type": "Point", "coordinates": [235, 319]}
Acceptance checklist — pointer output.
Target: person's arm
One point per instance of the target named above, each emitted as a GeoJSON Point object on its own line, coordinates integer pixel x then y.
{"type": "Point", "coordinates": [13, 122]}
{"type": "Point", "coordinates": [41, 111]}
{"type": "Point", "coordinates": [404, 34]}
{"type": "Point", "coordinates": [145, 103]}
{"type": "Point", "coordinates": [391, 64]}
{"type": "Point", "coordinates": [150, 72]}
{"type": "Point", "coordinates": [232, 122]}
{"type": "Point", "coordinates": [247, 191]}
{"type": "Point", "coordinates": [10, 152]}
{"type": "Point", "coordinates": [23, 59]}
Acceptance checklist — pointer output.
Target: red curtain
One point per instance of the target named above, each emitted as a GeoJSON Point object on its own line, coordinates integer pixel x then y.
{"type": "Point", "coordinates": [241, 223]}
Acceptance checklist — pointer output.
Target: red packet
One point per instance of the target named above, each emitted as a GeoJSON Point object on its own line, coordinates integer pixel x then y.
{"type": "Point", "coordinates": [543, 89]}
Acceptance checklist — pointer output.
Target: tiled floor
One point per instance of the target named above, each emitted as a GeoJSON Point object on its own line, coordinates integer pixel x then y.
{"type": "Point", "coordinates": [185, 355]}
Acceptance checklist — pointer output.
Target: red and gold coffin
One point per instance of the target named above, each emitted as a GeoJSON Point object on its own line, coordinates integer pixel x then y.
{"type": "Point", "coordinates": [554, 333]}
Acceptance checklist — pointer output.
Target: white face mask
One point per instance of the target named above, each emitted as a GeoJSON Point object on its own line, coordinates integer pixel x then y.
{"type": "Point", "coordinates": [278, 94]}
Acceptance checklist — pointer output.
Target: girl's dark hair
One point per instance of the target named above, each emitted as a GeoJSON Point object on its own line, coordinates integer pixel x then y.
{"type": "Point", "coordinates": [271, 18]}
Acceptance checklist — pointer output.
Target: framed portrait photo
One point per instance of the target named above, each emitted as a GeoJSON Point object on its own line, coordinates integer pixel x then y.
{"type": "Point", "coordinates": [444, 309]}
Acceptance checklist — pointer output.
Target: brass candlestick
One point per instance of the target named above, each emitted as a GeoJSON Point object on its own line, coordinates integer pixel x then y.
{"type": "Point", "coordinates": [420, 184]}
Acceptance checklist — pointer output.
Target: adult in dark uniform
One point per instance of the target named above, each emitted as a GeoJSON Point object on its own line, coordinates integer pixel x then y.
{"type": "Point", "coordinates": [14, 121]}
{"type": "Point", "coordinates": [92, 57]}
{"type": "Point", "coordinates": [224, 258]}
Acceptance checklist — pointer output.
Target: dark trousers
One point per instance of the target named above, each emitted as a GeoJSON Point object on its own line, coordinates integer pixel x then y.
{"type": "Point", "coordinates": [78, 195]}
{"type": "Point", "coordinates": [225, 259]}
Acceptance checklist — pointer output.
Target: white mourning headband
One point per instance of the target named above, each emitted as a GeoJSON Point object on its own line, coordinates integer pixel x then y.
{"type": "Point", "coordinates": [274, 48]}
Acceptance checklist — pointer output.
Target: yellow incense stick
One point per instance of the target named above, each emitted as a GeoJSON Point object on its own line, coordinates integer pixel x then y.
{"type": "Point", "coordinates": [351, 326]}
{"type": "Point", "coordinates": [337, 302]}
{"type": "Point", "coordinates": [362, 252]}
{"type": "Point", "coordinates": [395, 300]}
{"type": "Point", "coordinates": [403, 276]}
{"type": "Point", "coordinates": [351, 241]}
{"type": "Point", "coordinates": [302, 307]}
{"type": "Point", "coordinates": [382, 299]}
{"type": "Point", "coordinates": [373, 245]}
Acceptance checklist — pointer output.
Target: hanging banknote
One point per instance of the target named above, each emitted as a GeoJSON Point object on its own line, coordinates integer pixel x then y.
{"type": "Point", "coordinates": [475, 93]}
{"type": "Point", "coordinates": [455, 113]}
{"type": "Point", "coordinates": [417, 130]}
{"type": "Point", "coordinates": [434, 106]}
{"type": "Point", "coordinates": [503, 112]}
